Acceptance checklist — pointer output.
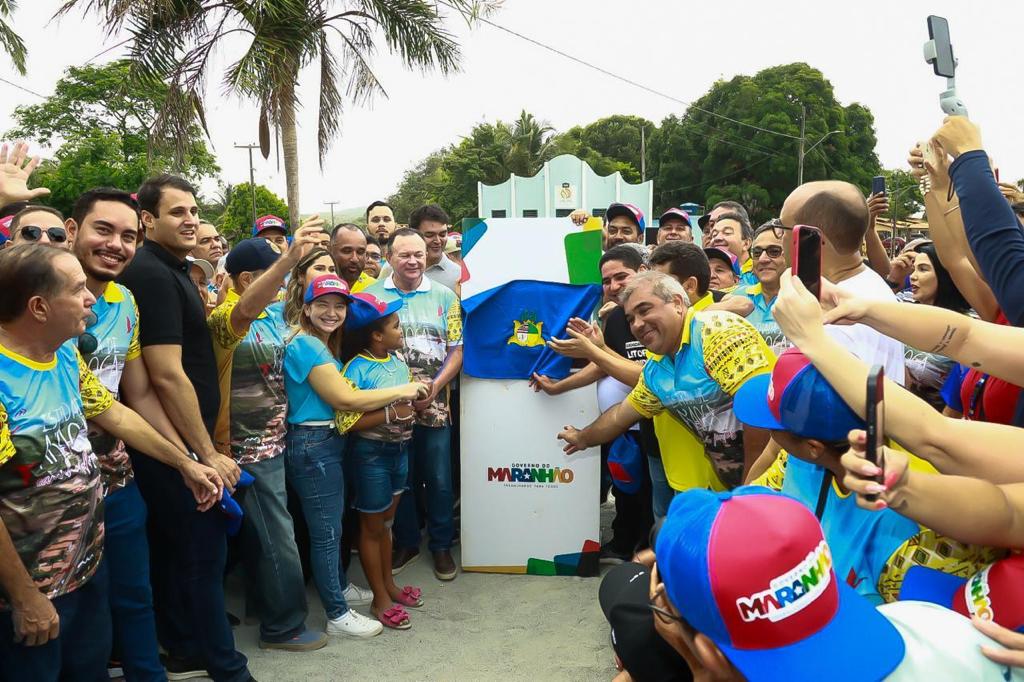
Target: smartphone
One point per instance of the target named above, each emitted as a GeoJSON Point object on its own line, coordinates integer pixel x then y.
{"type": "Point", "coordinates": [878, 184]}
{"type": "Point", "coordinates": [875, 422]}
{"type": "Point", "coordinates": [938, 30]}
{"type": "Point", "coordinates": [807, 257]}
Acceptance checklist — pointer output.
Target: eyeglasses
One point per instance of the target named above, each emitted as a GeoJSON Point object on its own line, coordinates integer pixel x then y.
{"type": "Point", "coordinates": [373, 256]}
{"type": "Point", "coordinates": [779, 230]}
{"type": "Point", "coordinates": [33, 233]}
{"type": "Point", "coordinates": [662, 614]}
{"type": "Point", "coordinates": [773, 251]}
{"type": "Point", "coordinates": [87, 342]}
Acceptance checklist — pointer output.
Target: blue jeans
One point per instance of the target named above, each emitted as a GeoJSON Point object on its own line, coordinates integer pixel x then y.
{"type": "Point", "coordinates": [272, 566]}
{"type": "Point", "coordinates": [188, 551]}
{"type": "Point", "coordinates": [380, 471]}
{"type": "Point", "coordinates": [430, 466]}
{"type": "Point", "coordinates": [79, 653]}
{"type": "Point", "coordinates": [661, 491]}
{"type": "Point", "coordinates": [126, 553]}
{"type": "Point", "coordinates": [313, 456]}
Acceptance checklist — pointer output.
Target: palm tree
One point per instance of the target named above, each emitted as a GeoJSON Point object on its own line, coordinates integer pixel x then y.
{"type": "Point", "coordinates": [172, 42]}
{"type": "Point", "coordinates": [527, 142]}
{"type": "Point", "coordinates": [11, 42]}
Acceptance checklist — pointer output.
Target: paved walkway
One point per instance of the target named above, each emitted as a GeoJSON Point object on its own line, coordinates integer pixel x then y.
{"type": "Point", "coordinates": [477, 627]}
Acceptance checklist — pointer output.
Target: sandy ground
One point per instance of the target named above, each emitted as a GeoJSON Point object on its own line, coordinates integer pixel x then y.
{"type": "Point", "coordinates": [477, 627]}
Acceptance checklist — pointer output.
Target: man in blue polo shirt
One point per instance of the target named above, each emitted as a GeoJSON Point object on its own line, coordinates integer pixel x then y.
{"type": "Point", "coordinates": [432, 327]}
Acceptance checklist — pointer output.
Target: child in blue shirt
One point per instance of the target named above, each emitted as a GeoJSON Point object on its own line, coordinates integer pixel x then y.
{"type": "Point", "coordinates": [378, 449]}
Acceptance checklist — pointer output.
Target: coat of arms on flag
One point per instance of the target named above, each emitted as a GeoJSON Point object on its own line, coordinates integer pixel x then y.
{"type": "Point", "coordinates": [527, 332]}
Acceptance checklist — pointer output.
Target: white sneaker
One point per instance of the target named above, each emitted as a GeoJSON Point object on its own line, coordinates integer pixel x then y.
{"type": "Point", "coordinates": [353, 624]}
{"type": "Point", "coordinates": [358, 596]}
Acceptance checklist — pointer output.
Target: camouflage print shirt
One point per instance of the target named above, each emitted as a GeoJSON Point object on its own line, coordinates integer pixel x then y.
{"type": "Point", "coordinates": [50, 493]}
{"type": "Point", "coordinates": [432, 324]}
{"type": "Point", "coordinates": [117, 342]}
{"type": "Point", "coordinates": [251, 422]}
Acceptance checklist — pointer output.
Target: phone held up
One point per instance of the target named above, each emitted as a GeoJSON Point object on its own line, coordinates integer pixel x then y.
{"type": "Point", "coordinates": [875, 422]}
{"type": "Point", "coordinates": [878, 185]}
{"type": "Point", "coordinates": [807, 257]}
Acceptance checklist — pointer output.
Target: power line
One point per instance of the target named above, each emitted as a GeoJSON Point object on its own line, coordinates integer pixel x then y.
{"type": "Point", "coordinates": [21, 87]}
{"type": "Point", "coordinates": [714, 180]}
{"type": "Point", "coordinates": [623, 78]}
{"type": "Point", "coordinates": [112, 47]}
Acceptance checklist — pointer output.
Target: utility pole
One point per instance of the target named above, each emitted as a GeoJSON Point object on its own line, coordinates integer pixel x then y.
{"type": "Point", "coordinates": [802, 151]}
{"type": "Point", "coordinates": [803, 140]}
{"type": "Point", "coordinates": [643, 155]}
{"type": "Point", "coordinates": [252, 177]}
{"type": "Point", "coordinates": [331, 204]}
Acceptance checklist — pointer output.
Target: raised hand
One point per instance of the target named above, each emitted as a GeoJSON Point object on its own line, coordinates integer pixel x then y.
{"type": "Point", "coordinates": [308, 235]}
{"type": "Point", "coordinates": [861, 474]}
{"type": "Point", "coordinates": [14, 175]}
{"type": "Point", "coordinates": [958, 135]}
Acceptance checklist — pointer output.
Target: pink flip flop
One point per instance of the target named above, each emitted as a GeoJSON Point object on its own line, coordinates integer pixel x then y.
{"type": "Point", "coordinates": [411, 596]}
{"type": "Point", "coordinates": [395, 618]}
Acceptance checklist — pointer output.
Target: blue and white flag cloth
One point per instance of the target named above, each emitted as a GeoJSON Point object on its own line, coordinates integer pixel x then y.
{"type": "Point", "coordinates": [508, 328]}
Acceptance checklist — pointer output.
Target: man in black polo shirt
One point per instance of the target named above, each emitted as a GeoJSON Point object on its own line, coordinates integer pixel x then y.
{"type": "Point", "coordinates": [188, 548]}
{"type": "Point", "coordinates": [616, 372]}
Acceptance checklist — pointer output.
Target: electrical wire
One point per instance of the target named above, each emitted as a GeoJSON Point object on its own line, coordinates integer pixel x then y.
{"type": "Point", "coordinates": [21, 87]}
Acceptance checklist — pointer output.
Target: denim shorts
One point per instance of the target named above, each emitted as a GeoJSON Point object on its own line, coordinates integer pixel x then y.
{"type": "Point", "coordinates": [380, 471]}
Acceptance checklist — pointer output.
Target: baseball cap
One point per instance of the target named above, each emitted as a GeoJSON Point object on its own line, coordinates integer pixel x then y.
{"type": "Point", "coordinates": [365, 309]}
{"type": "Point", "coordinates": [250, 255]}
{"type": "Point", "coordinates": [703, 220]}
{"type": "Point", "coordinates": [990, 594]}
{"type": "Point", "coordinates": [324, 285]}
{"type": "Point", "coordinates": [628, 210]}
{"type": "Point", "coordinates": [624, 598]}
{"type": "Point", "coordinates": [267, 222]}
{"type": "Point", "coordinates": [675, 213]}
{"type": "Point", "coordinates": [750, 569]}
{"type": "Point", "coordinates": [795, 397]}
{"type": "Point", "coordinates": [203, 265]}
{"type": "Point", "coordinates": [5, 228]}
{"type": "Point", "coordinates": [722, 254]}
{"type": "Point", "coordinates": [453, 243]}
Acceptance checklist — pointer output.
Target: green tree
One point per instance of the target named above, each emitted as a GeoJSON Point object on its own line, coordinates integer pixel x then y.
{"type": "Point", "coordinates": [11, 42]}
{"type": "Point", "coordinates": [609, 144]}
{"type": "Point", "coordinates": [904, 193]}
{"type": "Point", "coordinates": [700, 156]}
{"type": "Point", "coordinates": [100, 130]}
{"type": "Point", "coordinates": [172, 42]}
{"type": "Point", "coordinates": [235, 222]}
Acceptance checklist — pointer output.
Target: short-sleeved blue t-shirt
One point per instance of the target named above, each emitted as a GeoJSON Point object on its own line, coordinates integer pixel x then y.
{"type": "Point", "coordinates": [301, 355]}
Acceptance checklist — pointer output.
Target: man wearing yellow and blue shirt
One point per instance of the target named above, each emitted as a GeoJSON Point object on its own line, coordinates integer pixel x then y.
{"type": "Point", "coordinates": [348, 251]}
{"type": "Point", "coordinates": [54, 616]}
{"type": "Point", "coordinates": [696, 362]}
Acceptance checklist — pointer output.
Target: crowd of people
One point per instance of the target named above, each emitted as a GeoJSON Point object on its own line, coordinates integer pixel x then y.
{"type": "Point", "coordinates": [173, 406]}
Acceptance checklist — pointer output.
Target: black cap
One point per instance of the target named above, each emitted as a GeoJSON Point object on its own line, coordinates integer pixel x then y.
{"type": "Point", "coordinates": [251, 255]}
{"type": "Point", "coordinates": [703, 220]}
{"type": "Point", "coordinates": [624, 598]}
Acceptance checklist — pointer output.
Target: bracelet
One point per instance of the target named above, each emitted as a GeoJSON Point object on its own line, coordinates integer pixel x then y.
{"type": "Point", "coordinates": [387, 419]}
{"type": "Point", "coordinates": [950, 210]}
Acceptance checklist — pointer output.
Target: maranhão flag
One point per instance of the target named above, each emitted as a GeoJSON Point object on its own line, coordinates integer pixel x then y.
{"type": "Point", "coordinates": [508, 328]}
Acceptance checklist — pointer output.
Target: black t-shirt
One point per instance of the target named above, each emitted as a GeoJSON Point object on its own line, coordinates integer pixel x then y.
{"type": "Point", "coordinates": [620, 339]}
{"type": "Point", "coordinates": [717, 296]}
{"type": "Point", "coordinates": [171, 313]}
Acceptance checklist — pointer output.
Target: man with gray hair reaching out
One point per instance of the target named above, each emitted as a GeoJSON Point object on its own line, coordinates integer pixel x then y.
{"type": "Point", "coordinates": [696, 361]}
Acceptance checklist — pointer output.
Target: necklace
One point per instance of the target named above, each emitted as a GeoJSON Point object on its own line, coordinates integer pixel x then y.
{"type": "Point", "coordinates": [385, 361]}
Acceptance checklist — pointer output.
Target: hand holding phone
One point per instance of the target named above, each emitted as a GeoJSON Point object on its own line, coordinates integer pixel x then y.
{"type": "Point", "coordinates": [875, 423]}
{"type": "Point", "coordinates": [878, 185]}
{"type": "Point", "coordinates": [807, 257]}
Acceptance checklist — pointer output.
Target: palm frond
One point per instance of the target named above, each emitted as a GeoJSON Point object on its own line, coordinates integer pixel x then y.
{"type": "Point", "coordinates": [11, 42]}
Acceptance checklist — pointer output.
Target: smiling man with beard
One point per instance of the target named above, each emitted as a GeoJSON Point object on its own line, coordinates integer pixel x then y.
{"type": "Point", "coordinates": [188, 547]}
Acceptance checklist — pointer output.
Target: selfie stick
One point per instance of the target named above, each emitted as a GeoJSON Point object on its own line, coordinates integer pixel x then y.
{"type": "Point", "coordinates": [950, 102]}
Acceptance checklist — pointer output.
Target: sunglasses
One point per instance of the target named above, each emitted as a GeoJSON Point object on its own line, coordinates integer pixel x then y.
{"type": "Point", "coordinates": [773, 251]}
{"type": "Point", "coordinates": [87, 342]}
{"type": "Point", "coordinates": [33, 233]}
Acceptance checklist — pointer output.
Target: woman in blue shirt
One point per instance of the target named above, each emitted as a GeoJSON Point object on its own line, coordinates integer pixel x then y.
{"type": "Point", "coordinates": [315, 389]}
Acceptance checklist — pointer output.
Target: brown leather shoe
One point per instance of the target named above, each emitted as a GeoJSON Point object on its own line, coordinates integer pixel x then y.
{"type": "Point", "coordinates": [402, 557]}
{"type": "Point", "coordinates": [444, 565]}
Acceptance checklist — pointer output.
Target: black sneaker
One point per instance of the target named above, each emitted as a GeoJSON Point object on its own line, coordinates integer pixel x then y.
{"type": "Point", "coordinates": [613, 556]}
{"type": "Point", "coordinates": [181, 668]}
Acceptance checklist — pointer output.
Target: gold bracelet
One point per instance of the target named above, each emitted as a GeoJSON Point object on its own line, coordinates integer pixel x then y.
{"type": "Point", "coordinates": [954, 208]}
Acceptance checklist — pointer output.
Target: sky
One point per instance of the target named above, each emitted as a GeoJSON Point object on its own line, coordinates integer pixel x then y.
{"type": "Point", "coordinates": [869, 50]}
